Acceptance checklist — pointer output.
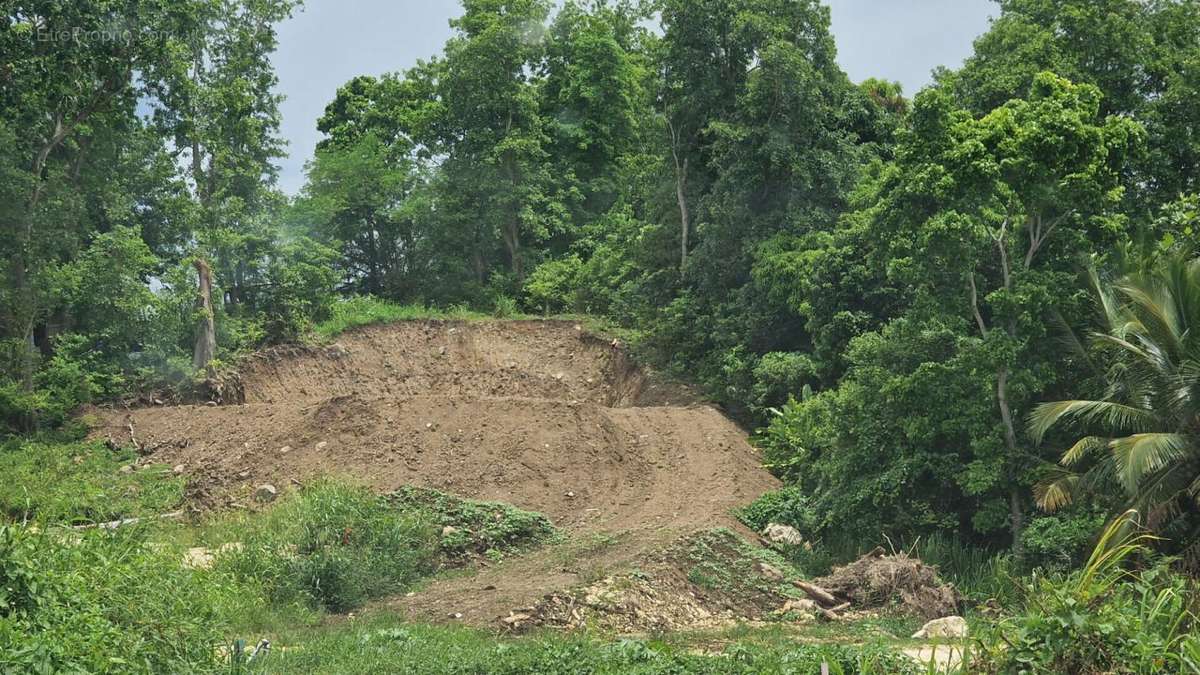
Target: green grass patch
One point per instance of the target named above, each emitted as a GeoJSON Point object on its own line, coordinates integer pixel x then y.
{"type": "Point", "coordinates": [105, 601]}
{"type": "Point", "coordinates": [386, 644]}
{"type": "Point", "coordinates": [473, 527]}
{"type": "Point", "coordinates": [80, 482]}
{"type": "Point", "coordinates": [366, 310]}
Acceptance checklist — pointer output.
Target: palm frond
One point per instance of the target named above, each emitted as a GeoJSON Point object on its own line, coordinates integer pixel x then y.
{"type": "Point", "coordinates": [1140, 454]}
{"type": "Point", "coordinates": [1116, 417]}
{"type": "Point", "coordinates": [1053, 494]}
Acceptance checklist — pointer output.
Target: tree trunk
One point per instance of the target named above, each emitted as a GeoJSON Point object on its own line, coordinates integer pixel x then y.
{"type": "Point", "coordinates": [1010, 443]}
{"type": "Point", "coordinates": [684, 216]}
{"type": "Point", "coordinates": [1017, 515]}
{"type": "Point", "coordinates": [512, 241]}
{"type": "Point", "coordinates": [206, 334]}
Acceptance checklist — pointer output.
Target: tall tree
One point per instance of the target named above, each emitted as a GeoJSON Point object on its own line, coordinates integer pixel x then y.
{"type": "Point", "coordinates": [72, 77]}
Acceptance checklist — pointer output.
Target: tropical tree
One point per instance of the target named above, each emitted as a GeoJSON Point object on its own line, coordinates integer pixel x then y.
{"type": "Point", "coordinates": [1146, 425]}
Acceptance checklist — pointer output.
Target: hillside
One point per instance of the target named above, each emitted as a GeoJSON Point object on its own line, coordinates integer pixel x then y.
{"type": "Point", "coordinates": [541, 415]}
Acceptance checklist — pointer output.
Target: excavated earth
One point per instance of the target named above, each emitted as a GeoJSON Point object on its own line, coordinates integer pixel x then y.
{"type": "Point", "coordinates": [538, 414]}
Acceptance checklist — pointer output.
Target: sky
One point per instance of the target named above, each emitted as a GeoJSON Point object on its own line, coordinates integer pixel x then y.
{"type": "Point", "coordinates": [330, 41]}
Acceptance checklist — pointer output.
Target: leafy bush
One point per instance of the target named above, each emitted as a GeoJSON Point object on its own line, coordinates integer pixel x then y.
{"type": "Point", "coordinates": [787, 506]}
{"type": "Point", "coordinates": [551, 286]}
{"type": "Point", "coordinates": [333, 547]}
{"type": "Point", "coordinates": [106, 603]}
{"type": "Point", "coordinates": [1101, 619]}
{"type": "Point", "coordinates": [1060, 542]}
{"type": "Point", "coordinates": [300, 289]}
{"type": "Point", "coordinates": [478, 527]}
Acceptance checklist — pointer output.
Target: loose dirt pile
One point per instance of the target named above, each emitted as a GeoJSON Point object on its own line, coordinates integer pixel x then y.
{"type": "Point", "coordinates": [537, 414]}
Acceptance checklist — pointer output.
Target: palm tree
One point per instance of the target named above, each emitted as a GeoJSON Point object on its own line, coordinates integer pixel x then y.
{"type": "Point", "coordinates": [1147, 424]}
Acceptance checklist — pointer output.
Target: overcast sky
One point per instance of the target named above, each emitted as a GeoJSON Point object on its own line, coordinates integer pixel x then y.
{"type": "Point", "coordinates": [330, 41]}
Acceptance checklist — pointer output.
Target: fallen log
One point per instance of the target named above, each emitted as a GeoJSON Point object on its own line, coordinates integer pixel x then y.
{"type": "Point", "coordinates": [820, 595]}
{"type": "Point", "coordinates": [831, 614]}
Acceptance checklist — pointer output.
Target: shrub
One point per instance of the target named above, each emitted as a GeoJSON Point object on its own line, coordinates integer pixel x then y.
{"type": "Point", "coordinates": [478, 527]}
{"type": "Point", "coordinates": [1060, 542]}
{"type": "Point", "coordinates": [1101, 619]}
{"type": "Point", "coordinates": [551, 286]}
{"type": "Point", "coordinates": [787, 506]}
{"type": "Point", "coordinates": [334, 547]}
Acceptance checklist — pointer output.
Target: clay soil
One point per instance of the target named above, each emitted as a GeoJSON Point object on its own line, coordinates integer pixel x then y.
{"type": "Point", "coordinates": [539, 414]}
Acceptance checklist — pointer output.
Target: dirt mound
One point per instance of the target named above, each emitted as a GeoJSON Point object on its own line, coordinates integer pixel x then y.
{"type": "Point", "coordinates": [537, 414]}
{"type": "Point", "coordinates": [877, 580]}
{"type": "Point", "coordinates": [708, 579]}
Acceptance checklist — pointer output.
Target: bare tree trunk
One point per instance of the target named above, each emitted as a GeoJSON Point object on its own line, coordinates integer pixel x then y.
{"type": "Point", "coordinates": [684, 216]}
{"type": "Point", "coordinates": [206, 334]}
{"type": "Point", "coordinates": [681, 174]}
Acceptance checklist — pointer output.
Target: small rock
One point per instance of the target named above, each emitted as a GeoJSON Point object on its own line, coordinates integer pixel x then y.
{"type": "Point", "coordinates": [442, 350]}
{"type": "Point", "coordinates": [783, 534]}
{"type": "Point", "coordinates": [429, 426]}
{"type": "Point", "coordinates": [454, 615]}
{"type": "Point", "coordinates": [158, 401]}
{"type": "Point", "coordinates": [265, 493]}
{"type": "Point", "coordinates": [285, 449]}
{"type": "Point", "coordinates": [322, 445]}
{"type": "Point", "coordinates": [802, 606]}
{"type": "Point", "coordinates": [178, 469]}
{"type": "Point", "coordinates": [211, 404]}
{"type": "Point", "coordinates": [947, 627]}
{"type": "Point", "coordinates": [570, 495]}
{"type": "Point", "coordinates": [198, 558]}
{"type": "Point", "coordinates": [770, 572]}
{"type": "Point", "coordinates": [515, 620]}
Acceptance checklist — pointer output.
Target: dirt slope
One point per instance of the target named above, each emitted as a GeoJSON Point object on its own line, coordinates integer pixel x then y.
{"type": "Point", "coordinates": [537, 414]}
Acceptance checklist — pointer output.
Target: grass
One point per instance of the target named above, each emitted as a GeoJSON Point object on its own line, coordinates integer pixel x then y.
{"type": "Point", "coordinates": [471, 527]}
{"type": "Point", "coordinates": [365, 310]}
{"type": "Point", "coordinates": [384, 643]}
{"type": "Point", "coordinates": [76, 482]}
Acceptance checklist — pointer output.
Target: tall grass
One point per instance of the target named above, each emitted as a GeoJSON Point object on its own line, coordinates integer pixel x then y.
{"type": "Point", "coordinates": [101, 601]}
{"type": "Point", "coordinates": [334, 547]}
{"type": "Point", "coordinates": [978, 573]}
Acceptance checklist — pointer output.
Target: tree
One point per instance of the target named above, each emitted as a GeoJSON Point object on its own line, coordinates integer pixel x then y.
{"type": "Point", "coordinates": [68, 81]}
{"type": "Point", "coordinates": [982, 221]}
{"type": "Point", "coordinates": [1146, 440]}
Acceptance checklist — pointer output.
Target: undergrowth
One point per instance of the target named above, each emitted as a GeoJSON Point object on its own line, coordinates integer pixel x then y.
{"type": "Point", "coordinates": [471, 527]}
{"type": "Point", "coordinates": [333, 547]}
{"type": "Point", "coordinates": [50, 481]}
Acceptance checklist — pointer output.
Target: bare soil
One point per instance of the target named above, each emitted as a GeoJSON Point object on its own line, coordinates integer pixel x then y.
{"type": "Point", "coordinates": [539, 414]}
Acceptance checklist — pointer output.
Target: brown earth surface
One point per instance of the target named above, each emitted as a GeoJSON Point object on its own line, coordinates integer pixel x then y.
{"type": "Point", "coordinates": [538, 414]}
